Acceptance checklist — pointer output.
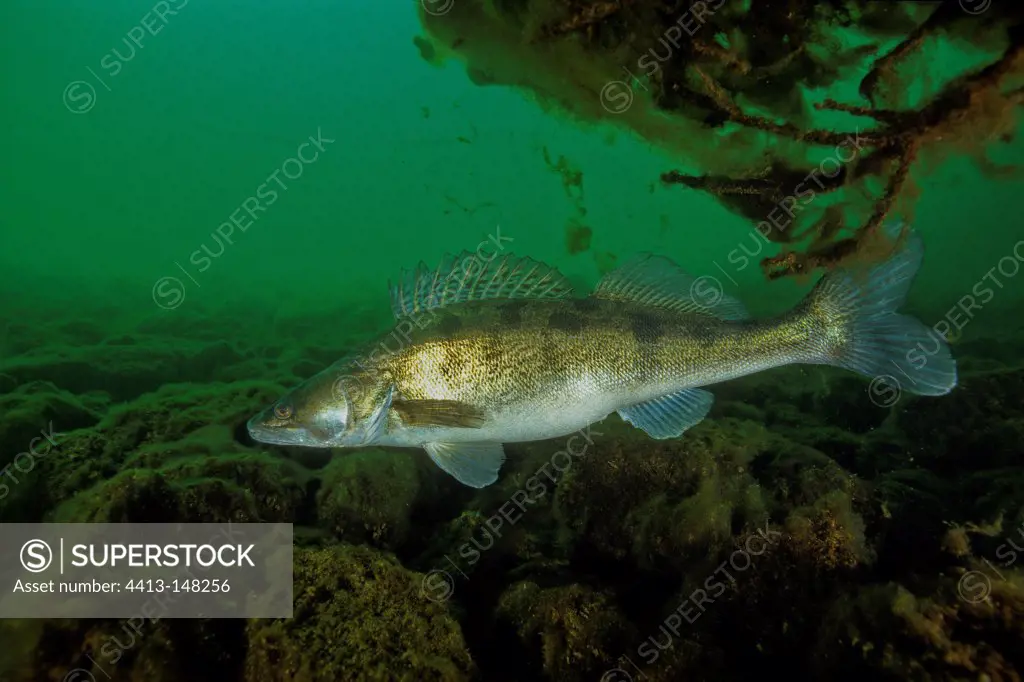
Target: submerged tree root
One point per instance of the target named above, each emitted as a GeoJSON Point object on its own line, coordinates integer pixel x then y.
{"type": "Point", "coordinates": [723, 85]}
{"type": "Point", "coordinates": [897, 141]}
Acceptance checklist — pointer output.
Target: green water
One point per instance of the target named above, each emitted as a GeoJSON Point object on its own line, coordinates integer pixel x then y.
{"type": "Point", "coordinates": [119, 168]}
{"type": "Point", "coordinates": [421, 162]}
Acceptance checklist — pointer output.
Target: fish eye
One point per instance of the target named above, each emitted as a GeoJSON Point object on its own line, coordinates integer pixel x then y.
{"type": "Point", "coordinates": [283, 411]}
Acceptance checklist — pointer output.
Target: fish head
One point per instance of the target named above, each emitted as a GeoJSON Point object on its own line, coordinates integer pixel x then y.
{"type": "Point", "coordinates": [329, 410]}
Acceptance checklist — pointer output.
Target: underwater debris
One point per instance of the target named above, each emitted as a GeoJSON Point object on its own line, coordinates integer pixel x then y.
{"type": "Point", "coordinates": [725, 83]}
{"type": "Point", "coordinates": [577, 237]}
{"type": "Point", "coordinates": [605, 262]}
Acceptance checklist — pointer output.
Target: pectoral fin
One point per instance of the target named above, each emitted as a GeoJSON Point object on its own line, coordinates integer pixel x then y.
{"type": "Point", "coordinates": [438, 413]}
{"type": "Point", "coordinates": [669, 415]}
{"type": "Point", "coordinates": [472, 464]}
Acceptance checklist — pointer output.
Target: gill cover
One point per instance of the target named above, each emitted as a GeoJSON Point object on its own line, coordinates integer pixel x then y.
{"type": "Point", "coordinates": [368, 430]}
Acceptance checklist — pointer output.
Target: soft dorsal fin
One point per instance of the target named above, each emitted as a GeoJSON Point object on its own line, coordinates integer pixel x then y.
{"type": "Point", "coordinates": [657, 281]}
{"type": "Point", "coordinates": [467, 277]}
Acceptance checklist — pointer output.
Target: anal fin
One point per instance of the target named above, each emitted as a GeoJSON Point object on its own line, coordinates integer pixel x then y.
{"type": "Point", "coordinates": [472, 464]}
{"type": "Point", "coordinates": [670, 415]}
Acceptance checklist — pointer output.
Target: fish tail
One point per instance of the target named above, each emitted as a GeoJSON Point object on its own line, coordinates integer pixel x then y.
{"type": "Point", "coordinates": [862, 331]}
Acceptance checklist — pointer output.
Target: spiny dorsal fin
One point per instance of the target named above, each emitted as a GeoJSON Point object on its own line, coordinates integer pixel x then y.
{"type": "Point", "coordinates": [438, 413]}
{"type": "Point", "coordinates": [468, 277]}
{"type": "Point", "coordinates": [657, 281]}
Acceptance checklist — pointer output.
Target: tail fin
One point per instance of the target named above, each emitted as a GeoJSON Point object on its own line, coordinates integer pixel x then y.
{"type": "Point", "coordinates": [876, 341]}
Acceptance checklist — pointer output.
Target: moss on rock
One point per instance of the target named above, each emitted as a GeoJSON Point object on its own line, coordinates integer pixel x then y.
{"type": "Point", "coordinates": [933, 631]}
{"type": "Point", "coordinates": [665, 502]}
{"type": "Point", "coordinates": [358, 613]}
{"type": "Point", "coordinates": [37, 408]}
{"type": "Point", "coordinates": [368, 495]}
{"type": "Point", "coordinates": [244, 488]}
{"type": "Point", "coordinates": [574, 632]}
{"type": "Point", "coordinates": [124, 650]}
{"type": "Point", "coordinates": [829, 534]}
{"type": "Point", "coordinates": [123, 370]}
{"type": "Point", "coordinates": [181, 432]}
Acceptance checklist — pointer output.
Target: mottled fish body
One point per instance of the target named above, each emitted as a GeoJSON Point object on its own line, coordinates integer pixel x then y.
{"type": "Point", "coordinates": [546, 368]}
{"type": "Point", "coordinates": [509, 355]}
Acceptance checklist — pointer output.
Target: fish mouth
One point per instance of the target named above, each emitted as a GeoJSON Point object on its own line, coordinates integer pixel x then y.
{"type": "Point", "coordinates": [271, 435]}
{"type": "Point", "coordinates": [294, 436]}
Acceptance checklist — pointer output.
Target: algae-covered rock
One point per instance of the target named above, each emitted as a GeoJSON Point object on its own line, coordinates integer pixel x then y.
{"type": "Point", "coordinates": [830, 535]}
{"type": "Point", "coordinates": [980, 423]}
{"type": "Point", "coordinates": [185, 432]}
{"type": "Point", "coordinates": [275, 489]}
{"type": "Point", "coordinates": [368, 495]}
{"type": "Point", "coordinates": [123, 370]}
{"type": "Point", "coordinates": [665, 502]}
{"type": "Point", "coordinates": [962, 627]}
{"type": "Point", "coordinates": [131, 496]}
{"type": "Point", "coordinates": [998, 493]}
{"type": "Point", "coordinates": [138, 649]}
{"type": "Point", "coordinates": [799, 475]}
{"type": "Point", "coordinates": [573, 632]}
{"type": "Point", "coordinates": [173, 420]}
{"type": "Point", "coordinates": [358, 615]}
{"type": "Point", "coordinates": [34, 423]}
{"type": "Point", "coordinates": [38, 408]}
{"type": "Point", "coordinates": [244, 488]}
{"type": "Point", "coordinates": [756, 587]}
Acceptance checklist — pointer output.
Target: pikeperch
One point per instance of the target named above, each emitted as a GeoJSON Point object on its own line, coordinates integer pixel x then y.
{"type": "Point", "coordinates": [508, 355]}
